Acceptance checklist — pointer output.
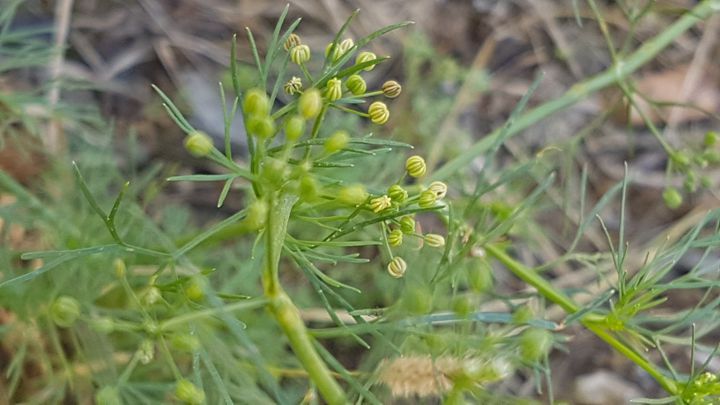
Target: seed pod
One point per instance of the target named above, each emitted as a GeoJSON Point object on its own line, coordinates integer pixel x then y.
{"type": "Point", "coordinates": [310, 104]}
{"type": "Point", "coordinates": [333, 89]}
{"type": "Point", "coordinates": [439, 188]}
{"type": "Point", "coordinates": [189, 393]}
{"type": "Point", "coordinates": [434, 240]}
{"type": "Point", "coordinates": [427, 199]}
{"type": "Point", "coordinates": [198, 144]}
{"type": "Point", "coordinates": [397, 267]}
{"type": "Point", "coordinates": [397, 193]}
{"type": "Point", "coordinates": [356, 84]}
{"type": "Point", "coordinates": [378, 112]}
{"type": "Point", "coordinates": [65, 311]}
{"type": "Point", "coordinates": [353, 195]}
{"type": "Point", "coordinates": [300, 54]}
{"type": "Point", "coordinates": [108, 395]}
{"type": "Point", "coordinates": [672, 197]}
{"type": "Point", "coordinates": [337, 141]}
{"type": "Point", "coordinates": [407, 224]}
{"type": "Point", "coordinates": [535, 344]}
{"type": "Point", "coordinates": [256, 102]}
{"type": "Point", "coordinates": [395, 237]}
{"type": "Point", "coordinates": [391, 89]}
{"type": "Point", "coordinates": [294, 127]}
{"type": "Point", "coordinates": [415, 166]}
{"type": "Point", "coordinates": [366, 57]}
{"type": "Point", "coordinates": [293, 86]}
{"type": "Point", "coordinates": [292, 41]}
{"type": "Point", "coordinates": [380, 204]}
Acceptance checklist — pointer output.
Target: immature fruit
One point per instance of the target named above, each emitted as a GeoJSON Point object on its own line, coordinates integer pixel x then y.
{"type": "Point", "coordinates": [308, 188]}
{"type": "Point", "coordinates": [261, 126]}
{"type": "Point", "coordinates": [479, 275]}
{"type": "Point", "coordinates": [395, 237]}
{"type": "Point", "coordinates": [65, 311]}
{"type": "Point", "coordinates": [300, 54]}
{"type": "Point", "coordinates": [256, 102]}
{"type": "Point", "coordinates": [534, 344]}
{"type": "Point", "coordinates": [366, 57]}
{"type": "Point", "coordinates": [407, 225]}
{"type": "Point", "coordinates": [310, 103]}
{"type": "Point", "coordinates": [189, 393]}
{"type": "Point", "coordinates": [397, 267]}
{"type": "Point", "coordinates": [333, 89]}
{"type": "Point", "coordinates": [353, 195]}
{"type": "Point", "coordinates": [337, 141]}
{"type": "Point", "coordinates": [417, 300]}
{"type": "Point", "coordinates": [103, 325]}
{"type": "Point", "coordinates": [108, 395]}
{"type": "Point", "coordinates": [198, 143]}
{"type": "Point", "coordinates": [397, 193]}
{"type": "Point", "coordinates": [194, 290]}
{"type": "Point", "coordinates": [356, 84]}
{"type": "Point", "coordinates": [378, 112]}
{"type": "Point", "coordinates": [415, 166]}
{"type": "Point", "coordinates": [427, 199]}
{"type": "Point", "coordinates": [256, 215]}
{"type": "Point", "coordinates": [391, 89]}
{"type": "Point", "coordinates": [185, 343]}
{"type": "Point", "coordinates": [672, 197]}
{"type": "Point", "coordinates": [294, 127]}
{"type": "Point", "coordinates": [711, 138]}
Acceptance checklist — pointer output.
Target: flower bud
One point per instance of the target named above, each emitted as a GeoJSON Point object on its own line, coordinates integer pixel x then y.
{"type": "Point", "coordinates": [185, 343]}
{"type": "Point", "coordinates": [427, 199]}
{"type": "Point", "coordinates": [151, 296]}
{"type": "Point", "coordinates": [293, 86]}
{"type": "Point", "coordinates": [198, 144]}
{"type": "Point", "coordinates": [119, 267]}
{"type": "Point", "coordinates": [380, 204]}
{"type": "Point", "coordinates": [103, 325]}
{"type": "Point", "coordinates": [187, 392]}
{"type": "Point", "coordinates": [439, 188]}
{"type": "Point", "coordinates": [354, 195]}
{"type": "Point", "coordinates": [407, 224]}
{"type": "Point", "coordinates": [146, 351]}
{"type": "Point", "coordinates": [391, 89]}
{"type": "Point", "coordinates": [356, 84]}
{"type": "Point", "coordinates": [535, 344]}
{"type": "Point", "coordinates": [337, 141]}
{"type": "Point", "coordinates": [333, 89]}
{"type": "Point", "coordinates": [711, 138]}
{"type": "Point", "coordinates": [346, 45]}
{"type": "Point", "coordinates": [434, 240]}
{"type": "Point", "coordinates": [310, 103]}
{"type": "Point", "coordinates": [308, 188]}
{"type": "Point", "coordinates": [108, 395]}
{"type": "Point", "coordinates": [195, 290]}
{"type": "Point", "coordinates": [65, 311]}
{"type": "Point", "coordinates": [415, 166]}
{"type": "Point", "coordinates": [256, 215]}
{"type": "Point", "coordinates": [292, 41]}
{"type": "Point", "coordinates": [300, 54]}
{"type": "Point", "coordinates": [479, 275]}
{"type": "Point", "coordinates": [366, 57]}
{"type": "Point", "coordinates": [261, 126]}
{"type": "Point", "coordinates": [335, 52]}
{"type": "Point", "coordinates": [397, 193]}
{"type": "Point", "coordinates": [294, 127]}
{"type": "Point", "coordinates": [397, 267]}
{"type": "Point", "coordinates": [256, 102]}
{"type": "Point", "coordinates": [378, 112]}
{"type": "Point", "coordinates": [672, 197]}
{"type": "Point", "coordinates": [395, 237]}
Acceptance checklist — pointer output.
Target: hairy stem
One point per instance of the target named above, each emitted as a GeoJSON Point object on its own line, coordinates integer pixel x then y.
{"type": "Point", "coordinates": [285, 311]}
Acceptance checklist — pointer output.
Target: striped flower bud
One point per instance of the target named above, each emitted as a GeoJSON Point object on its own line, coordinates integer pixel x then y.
{"type": "Point", "coordinates": [333, 89]}
{"type": "Point", "coordinates": [391, 89]}
{"type": "Point", "coordinates": [439, 188]}
{"type": "Point", "coordinates": [415, 166]}
{"type": "Point", "coordinates": [310, 104]}
{"type": "Point", "coordinates": [356, 84]}
{"type": "Point", "coordinates": [434, 240]}
{"type": "Point", "coordinates": [381, 203]}
{"type": "Point", "coordinates": [336, 141]}
{"type": "Point", "coordinates": [395, 237]}
{"type": "Point", "coordinates": [397, 193]}
{"type": "Point", "coordinates": [427, 199]}
{"type": "Point", "coordinates": [256, 102]}
{"type": "Point", "coordinates": [378, 112]}
{"type": "Point", "coordinates": [335, 52]}
{"type": "Point", "coordinates": [292, 41]}
{"type": "Point", "coordinates": [397, 267]}
{"type": "Point", "coordinates": [293, 86]}
{"type": "Point", "coordinates": [353, 195]}
{"type": "Point", "coordinates": [346, 45]}
{"type": "Point", "coordinates": [294, 127]}
{"type": "Point", "coordinates": [65, 311]}
{"type": "Point", "coordinates": [120, 268]}
{"type": "Point", "coordinates": [300, 54]}
{"type": "Point", "coordinates": [366, 56]}
{"type": "Point", "coordinates": [407, 224]}
{"type": "Point", "coordinates": [189, 393]}
{"type": "Point", "coordinates": [198, 144]}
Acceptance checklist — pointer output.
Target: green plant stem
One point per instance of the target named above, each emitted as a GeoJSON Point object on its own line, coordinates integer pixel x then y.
{"type": "Point", "coordinates": [183, 319]}
{"type": "Point", "coordinates": [590, 321]}
{"type": "Point", "coordinates": [616, 73]}
{"type": "Point", "coordinates": [284, 310]}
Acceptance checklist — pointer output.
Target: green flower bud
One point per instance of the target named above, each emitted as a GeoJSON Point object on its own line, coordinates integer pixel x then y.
{"type": "Point", "coordinates": [261, 126]}
{"type": "Point", "coordinates": [195, 290]}
{"type": "Point", "coordinates": [711, 138]}
{"type": "Point", "coordinates": [333, 89]}
{"type": "Point", "coordinates": [300, 54]}
{"type": "Point", "coordinates": [151, 296]}
{"type": "Point", "coordinates": [185, 343]}
{"type": "Point", "coordinates": [275, 171]}
{"type": "Point", "coordinates": [346, 45]}
{"type": "Point", "coordinates": [108, 395]}
{"type": "Point", "coordinates": [378, 112]}
{"type": "Point", "coordinates": [354, 195]}
{"type": "Point", "coordinates": [681, 159]}
{"type": "Point", "coordinates": [292, 41]}
{"type": "Point", "coordinates": [366, 57]}
{"type": "Point", "coordinates": [407, 225]}
{"type": "Point", "coordinates": [308, 188]}
{"type": "Point", "coordinates": [356, 84]}
{"type": "Point", "coordinates": [65, 311]}
{"type": "Point", "coordinates": [335, 52]}
{"type": "Point", "coordinates": [397, 193]}
{"type": "Point", "coordinates": [439, 188]}
{"type": "Point", "coordinates": [337, 141]}
{"type": "Point", "coordinates": [256, 102]}
{"type": "Point", "coordinates": [293, 86]}
{"type": "Point", "coordinates": [391, 89]}
{"type": "Point", "coordinates": [120, 269]}
{"type": "Point", "coordinates": [187, 392]}
{"type": "Point", "coordinates": [415, 166]}
{"type": "Point", "coordinates": [479, 275]}
{"type": "Point", "coordinates": [395, 237]}
{"type": "Point", "coordinates": [310, 104]}
{"type": "Point", "coordinates": [146, 351]}
{"type": "Point", "coordinates": [198, 144]}
{"type": "Point", "coordinates": [256, 215]}
{"type": "Point", "coordinates": [397, 267]}
{"type": "Point", "coordinates": [705, 181]}
{"type": "Point", "coordinates": [672, 197]}
{"type": "Point", "coordinates": [434, 240]}
{"type": "Point", "coordinates": [417, 300]}
{"type": "Point", "coordinates": [380, 204]}
{"type": "Point", "coordinates": [427, 199]}
{"type": "Point", "coordinates": [535, 344]}
{"type": "Point", "coordinates": [691, 182]}
{"type": "Point", "coordinates": [294, 127]}
{"type": "Point", "coordinates": [522, 315]}
{"type": "Point", "coordinates": [103, 325]}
